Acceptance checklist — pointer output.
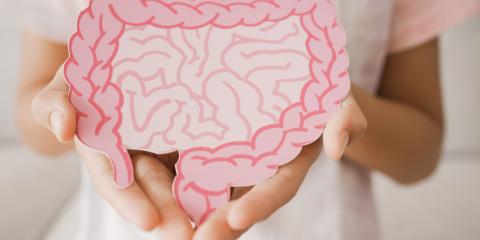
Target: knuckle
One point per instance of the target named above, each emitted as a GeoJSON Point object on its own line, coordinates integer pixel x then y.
{"type": "Point", "coordinates": [355, 120]}
{"type": "Point", "coordinates": [39, 100]}
{"type": "Point", "coordinates": [39, 108]}
{"type": "Point", "coordinates": [50, 98]}
{"type": "Point", "coordinates": [348, 104]}
{"type": "Point", "coordinates": [60, 98]}
{"type": "Point", "coordinates": [362, 122]}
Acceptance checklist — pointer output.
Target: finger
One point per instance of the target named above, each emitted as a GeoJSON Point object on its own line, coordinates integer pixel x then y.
{"type": "Point", "coordinates": [346, 126]}
{"type": "Point", "coordinates": [168, 159]}
{"type": "Point", "coordinates": [130, 203]}
{"type": "Point", "coordinates": [265, 198]}
{"type": "Point", "coordinates": [156, 181]}
{"type": "Point", "coordinates": [216, 227]}
{"type": "Point", "coordinates": [53, 110]}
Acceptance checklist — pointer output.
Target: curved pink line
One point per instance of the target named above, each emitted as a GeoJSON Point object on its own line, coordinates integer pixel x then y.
{"type": "Point", "coordinates": [141, 57]}
{"type": "Point", "coordinates": [148, 39]}
{"type": "Point", "coordinates": [150, 114]}
{"type": "Point", "coordinates": [190, 46]}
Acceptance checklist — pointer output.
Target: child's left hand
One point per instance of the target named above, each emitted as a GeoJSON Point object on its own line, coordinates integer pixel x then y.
{"type": "Point", "coordinates": [252, 205]}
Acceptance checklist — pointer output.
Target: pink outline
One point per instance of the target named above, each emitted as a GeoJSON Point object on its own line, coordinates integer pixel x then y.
{"type": "Point", "coordinates": [205, 173]}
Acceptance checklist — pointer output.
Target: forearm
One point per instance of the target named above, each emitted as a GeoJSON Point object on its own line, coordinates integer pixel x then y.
{"type": "Point", "coordinates": [402, 141]}
{"type": "Point", "coordinates": [32, 134]}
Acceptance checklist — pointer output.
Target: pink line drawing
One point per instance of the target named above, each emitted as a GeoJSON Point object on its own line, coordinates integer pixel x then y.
{"type": "Point", "coordinates": [205, 174]}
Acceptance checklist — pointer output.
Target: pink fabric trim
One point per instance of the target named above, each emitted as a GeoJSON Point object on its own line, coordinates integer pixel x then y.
{"type": "Point", "coordinates": [418, 21]}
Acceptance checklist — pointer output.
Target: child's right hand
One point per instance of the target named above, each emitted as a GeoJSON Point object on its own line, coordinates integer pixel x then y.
{"type": "Point", "coordinates": [149, 202]}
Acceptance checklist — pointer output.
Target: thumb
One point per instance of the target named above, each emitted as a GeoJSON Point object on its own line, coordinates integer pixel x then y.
{"type": "Point", "coordinates": [347, 125]}
{"type": "Point", "coordinates": [53, 110]}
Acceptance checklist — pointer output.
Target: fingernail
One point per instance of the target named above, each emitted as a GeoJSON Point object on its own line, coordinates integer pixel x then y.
{"type": "Point", "coordinates": [56, 123]}
{"type": "Point", "coordinates": [344, 139]}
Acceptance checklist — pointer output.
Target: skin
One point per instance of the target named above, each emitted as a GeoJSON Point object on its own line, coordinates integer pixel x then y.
{"type": "Point", "coordinates": [403, 142]}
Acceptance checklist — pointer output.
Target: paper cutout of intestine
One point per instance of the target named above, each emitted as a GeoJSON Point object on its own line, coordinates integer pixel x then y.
{"type": "Point", "coordinates": [237, 87]}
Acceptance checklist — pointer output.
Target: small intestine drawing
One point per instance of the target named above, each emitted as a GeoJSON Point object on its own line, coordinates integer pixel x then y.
{"type": "Point", "coordinates": [237, 87]}
{"type": "Point", "coordinates": [207, 86]}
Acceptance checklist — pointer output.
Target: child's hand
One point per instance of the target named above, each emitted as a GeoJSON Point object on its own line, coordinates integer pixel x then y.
{"type": "Point", "coordinates": [148, 203]}
{"type": "Point", "coordinates": [255, 204]}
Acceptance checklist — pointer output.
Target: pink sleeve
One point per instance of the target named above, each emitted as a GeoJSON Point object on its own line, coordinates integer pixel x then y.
{"type": "Point", "coordinates": [418, 21]}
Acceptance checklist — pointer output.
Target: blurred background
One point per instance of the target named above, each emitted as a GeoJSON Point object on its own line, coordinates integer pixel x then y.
{"type": "Point", "coordinates": [34, 190]}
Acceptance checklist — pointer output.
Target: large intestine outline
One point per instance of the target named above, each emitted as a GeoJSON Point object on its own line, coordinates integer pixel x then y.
{"type": "Point", "coordinates": [205, 174]}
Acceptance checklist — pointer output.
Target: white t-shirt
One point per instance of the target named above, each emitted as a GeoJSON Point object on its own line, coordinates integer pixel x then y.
{"type": "Point", "coordinates": [335, 201]}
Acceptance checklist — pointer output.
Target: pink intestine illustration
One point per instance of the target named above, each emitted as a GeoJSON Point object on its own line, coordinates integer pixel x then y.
{"type": "Point", "coordinates": [237, 87]}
